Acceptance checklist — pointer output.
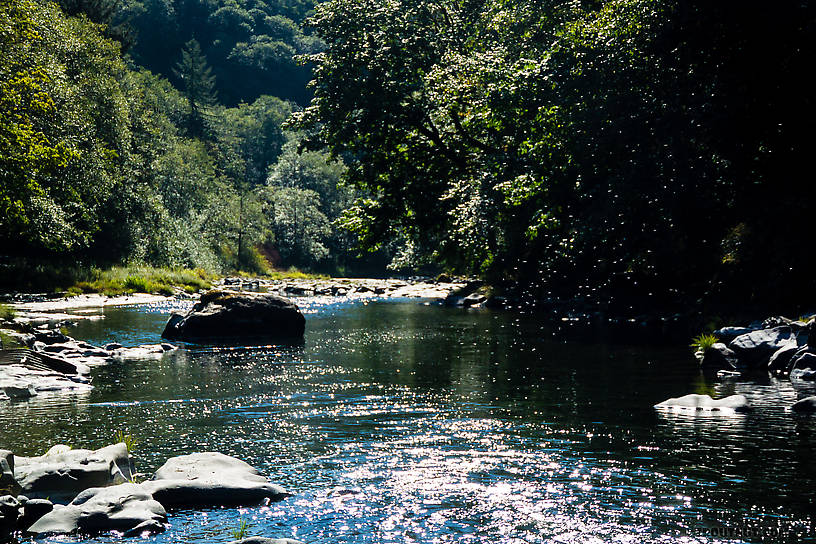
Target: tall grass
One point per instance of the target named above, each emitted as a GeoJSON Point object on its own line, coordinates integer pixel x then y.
{"type": "Point", "coordinates": [143, 279]}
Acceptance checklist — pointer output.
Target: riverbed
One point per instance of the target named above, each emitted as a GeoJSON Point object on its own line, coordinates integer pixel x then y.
{"type": "Point", "coordinates": [399, 421]}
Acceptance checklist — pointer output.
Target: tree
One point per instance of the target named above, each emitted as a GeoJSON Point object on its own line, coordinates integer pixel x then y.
{"type": "Point", "coordinates": [300, 228]}
{"type": "Point", "coordinates": [197, 83]}
{"type": "Point", "coordinates": [592, 149]}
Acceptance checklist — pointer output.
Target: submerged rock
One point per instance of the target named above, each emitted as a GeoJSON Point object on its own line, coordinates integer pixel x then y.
{"type": "Point", "coordinates": [61, 473]}
{"type": "Point", "coordinates": [210, 479]}
{"type": "Point", "coordinates": [121, 507]}
{"type": "Point", "coordinates": [225, 315]}
{"type": "Point", "coordinates": [704, 403]}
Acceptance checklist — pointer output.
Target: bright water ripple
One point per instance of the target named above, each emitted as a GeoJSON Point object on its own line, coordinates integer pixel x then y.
{"type": "Point", "coordinates": [398, 422]}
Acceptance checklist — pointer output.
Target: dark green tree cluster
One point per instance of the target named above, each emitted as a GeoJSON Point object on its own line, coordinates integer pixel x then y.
{"type": "Point", "coordinates": [106, 163]}
{"type": "Point", "coordinates": [633, 152]}
{"type": "Point", "coordinates": [250, 44]}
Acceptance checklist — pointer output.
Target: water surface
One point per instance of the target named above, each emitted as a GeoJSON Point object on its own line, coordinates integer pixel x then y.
{"type": "Point", "coordinates": [401, 422]}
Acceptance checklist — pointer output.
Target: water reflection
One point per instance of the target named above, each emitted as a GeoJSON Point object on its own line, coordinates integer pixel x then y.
{"type": "Point", "coordinates": [406, 423]}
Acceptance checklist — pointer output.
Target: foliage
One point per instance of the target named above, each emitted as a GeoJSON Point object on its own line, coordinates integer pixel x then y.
{"type": "Point", "coordinates": [242, 530]}
{"type": "Point", "coordinates": [128, 439]}
{"type": "Point", "coordinates": [625, 152]}
{"type": "Point", "coordinates": [7, 312]}
{"type": "Point", "coordinates": [249, 45]}
{"type": "Point", "coordinates": [703, 342]}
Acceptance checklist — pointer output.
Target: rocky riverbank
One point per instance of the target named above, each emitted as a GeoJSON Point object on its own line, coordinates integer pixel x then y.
{"type": "Point", "coordinates": [777, 346]}
{"type": "Point", "coordinates": [67, 491]}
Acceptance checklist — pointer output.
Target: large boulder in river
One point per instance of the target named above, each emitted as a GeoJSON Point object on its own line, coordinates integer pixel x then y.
{"type": "Point", "coordinates": [225, 315]}
{"type": "Point", "coordinates": [210, 479]}
{"type": "Point", "coordinates": [127, 508]}
{"type": "Point", "coordinates": [61, 473]}
{"type": "Point", "coordinates": [704, 403]}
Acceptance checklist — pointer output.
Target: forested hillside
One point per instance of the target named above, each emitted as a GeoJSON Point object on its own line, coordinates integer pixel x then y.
{"type": "Point", "coordinates": [633, 152]}
{"type": "Point", "coordinates": [108, 162]}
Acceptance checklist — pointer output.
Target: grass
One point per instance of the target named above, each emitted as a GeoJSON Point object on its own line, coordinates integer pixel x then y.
{"type": "Point", "coordinates": [120, 280]}
{"type": "Point", "coordinates": [6, 312]}
{"type": "Point", "coordinates": [8, 342]}
{"type": "Point", "coordinates": [242, 530]}
{"type": "Point", "coordinates": [129, 440]}
{"type": "Point", "coordinates": [294, 274]}
{"type": "Point", "coordinates": [703, 342]}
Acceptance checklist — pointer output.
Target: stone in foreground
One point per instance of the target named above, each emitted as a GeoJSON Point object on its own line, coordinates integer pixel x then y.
{"type": "Point", "coordinates": [225, 315]}
{"type": "Point", "coordinates": [704, 403]}
{"type": "Point", "coordinates": [121, 507]}
{"type": "Point", "coordinates": [210, 479]}
{"type": "Point", "coordinates": [61, 473]}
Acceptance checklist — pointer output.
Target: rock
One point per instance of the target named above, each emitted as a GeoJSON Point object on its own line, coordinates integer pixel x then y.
{"type": "Point", "coordinates": [222, 315]}
{"type": "Point", "coordinates": [807, 374]}
{"type": "Point", "coordinates": [473, 299]}
{"type": "Point", "coordinates": [62, 472]}
{"type": "Point", "coordinates": [210, 479]}
{"type": "Point", "coordinates": [756, 348]}
{"type": "Point", "coordinates": [8, 484]}
{"type": "Point", "coordinates": [806, 405]}
{"type": "Point", "coordinates": [726, 334]}
{"type": "Point", "coordinates": [121, 507]}
{"type": "Point", "coordinates": [718, 357]}
{"type": "Point", "coordinates": [146, 528]}
{"type": "Point", "coordinates": [262, 540]}
{"type": "Point", "coordinates": [19, 390]}
{"type": "Point", "coordinates": [781, 359]}
{"type": "Point", "coordinates": [725, 374]}
{"type": "Point", "coordinates": [735, 403]}
{"type": "Point", "coordinates": [49, 337]}
{"type": "Point", "coordinates": [32, 511]}
{"type": "Point", "coordinates": [804, 359]}
{"type": "Point", "coordinates": [144, 351]}
{"type": "Point", "coordinates": [8, 514]}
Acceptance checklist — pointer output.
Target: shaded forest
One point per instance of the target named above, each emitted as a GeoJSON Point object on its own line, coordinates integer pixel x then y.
{"type": "Point", "coordinates": [627, 153]}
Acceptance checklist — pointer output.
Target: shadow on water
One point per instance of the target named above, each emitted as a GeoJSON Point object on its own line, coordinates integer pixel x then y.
{"type": "Point", "coordinates": [399, 422]}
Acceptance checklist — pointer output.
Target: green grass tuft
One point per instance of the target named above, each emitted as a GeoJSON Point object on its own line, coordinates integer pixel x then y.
{"type": "Point", "coordinates": [241, 532]}
{"type": "Point", "coordinates": [129, 440]}
{"type": "Point", "coordinates": [703, 342]}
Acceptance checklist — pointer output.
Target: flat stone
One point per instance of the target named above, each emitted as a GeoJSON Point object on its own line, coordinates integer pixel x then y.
{"type": "Point", "coordinates": [210, 479]}
{"type": "Point", "coordinates": [62, 473]}
{"type": "Point", "coordinates": [117, 508]}
{"type": "Point", "coordinates": [704, 403]}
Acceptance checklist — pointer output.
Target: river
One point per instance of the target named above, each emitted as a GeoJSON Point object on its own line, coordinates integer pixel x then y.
{"type": "Point", "coordinates": [400, 422]}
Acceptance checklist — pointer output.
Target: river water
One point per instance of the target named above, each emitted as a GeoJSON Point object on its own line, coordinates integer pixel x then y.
{"type": "Point", "coordinates": [399, 422]}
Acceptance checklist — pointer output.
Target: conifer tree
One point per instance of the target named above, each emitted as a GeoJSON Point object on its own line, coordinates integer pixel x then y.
{"type": "Point", "coordinates": [197, 84]}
